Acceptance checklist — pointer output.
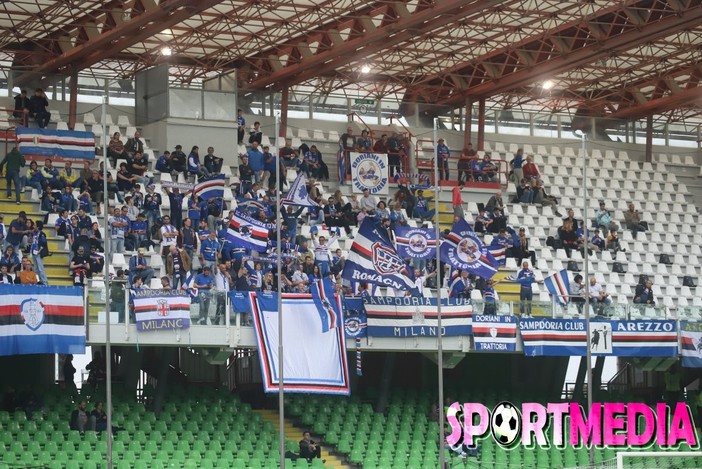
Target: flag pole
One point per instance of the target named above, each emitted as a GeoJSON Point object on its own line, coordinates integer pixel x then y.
{"type": "Point", "coordinates": [439, 282]}
{"type": "Point", "coordinates": [279, 216]}
{"type": "Point", "coordinates": [108, 306]}
{"type": "Point", "coordinates": [588, 325]}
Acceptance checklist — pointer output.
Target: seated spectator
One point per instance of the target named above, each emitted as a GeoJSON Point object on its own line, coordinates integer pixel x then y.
{"type": "Point", "coordinates": [523, 251]}
{"type": "Point", "coordinates": [98, 418]}
{"type": "Point", "coordinates": [525, 192]}
{"type": "Point", "coordinates": [97, 261]}
{"type": "Point", "coordinates": [80, 266]}
{"type": "Point", "coordinates": [50, 176]}
{"type": "Point", "coordinates": [309, 449]}
{"type": "Point", "coordinates": [603, 219]}
{"type": "Point", "coordinates": [530, 170]}
{"type": "Point", "coordinates": [632, 221]}
{"type": "Point", "coordinates": [79, 418]}
{"type": "Point", "coordinates": [334, 218]}
{"type": "Point", "coordinates": [541, 197]}
{"type": "Point", "coordinates": [37, 108]}
{"type": "Point", "coordinates": [179, 160]}
{"type": "Point", "coordinates": [5, 277]}
{"type": "Point", "coordinates": [10, 260]}
{"type": "Point", "coordinates": [483, 222]}
{"type": "Point", "coordinates": [495, 202]}
{"type": "Point", "coordinates": [27, 276]}
{"type": "Point", "coordinates": [290, 156]}
{"type": "Point", "coordinates": [488, 170]}
{"type": "Point", "coordinates": [463, 165]}
{"type": "Point", "coordinates": [499, 221]}
{"type": "Point", "coordinates": [597, 242]}
{"type": "Point", "coordinates": [67, 201]}
{"type": "Point", "coordinates": [134, 145]}
{"type": "Point", "coordinates": [568, 237]}
{"type": "Point", "coordinates": [578, 292]}
{"type": "Point", "coordinates": [311, 164]}
{"type": "Point", "coordinates": [115, 149]}
{"type": "Point", "coordinates": [369, 202]}
{"type": "Point", "coordinates": [644, 293]}
{"type": "Point", "coordinates": [397, 218]}
{"type": "Point", "coordinates": [33, 178]}
{"type": "Point", "coordinates": [163, 163]}
{"type": "Point", "coordinates": [139, 268]}
{"type": "Point", "coordinates": [381, 211]}
{"type": "Point", "coordinates": [195, 169]}
{"type": "Point", "coordinates": [598, 296]}
{"type": "Point", "coordinates": [421, 207]}
{"type": "Point", "coordinates": [505, 241]}
{"type": "Point", "coordinates": [137, 164]}
{"type": "Point", "coordinates": [613, 243]}
{"type": "Point", "coordinates": [213, 164]}
{"type": "Point", "coordinates": [256, 134]}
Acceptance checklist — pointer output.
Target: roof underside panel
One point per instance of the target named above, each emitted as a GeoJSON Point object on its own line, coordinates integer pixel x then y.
{"type": "Point", "coordinates": [614, 56]}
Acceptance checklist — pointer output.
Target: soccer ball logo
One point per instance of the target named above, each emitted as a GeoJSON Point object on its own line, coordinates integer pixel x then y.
{"type": "Point", "coordinates": [505, 424]}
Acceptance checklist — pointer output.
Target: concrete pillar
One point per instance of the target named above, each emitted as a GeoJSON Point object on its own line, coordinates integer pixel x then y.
{"type": "Point", "coordinates": [283, 114]}
{"type": "Point", "coordinates": [469, 118]}
{"type": "Point", "coordinates": [649, 138]}
{"type": "Point", "coordinates": [481, 124]}
{"type": "Point", "coordinates": [73, 100]}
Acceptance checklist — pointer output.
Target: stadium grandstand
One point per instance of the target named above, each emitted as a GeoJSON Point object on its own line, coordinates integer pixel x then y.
{"type": "Point", "coordinates": [353, 235]}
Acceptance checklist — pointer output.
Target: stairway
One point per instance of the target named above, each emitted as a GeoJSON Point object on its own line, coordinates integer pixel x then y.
{"type": "Point", "coordinates": [293, 433]}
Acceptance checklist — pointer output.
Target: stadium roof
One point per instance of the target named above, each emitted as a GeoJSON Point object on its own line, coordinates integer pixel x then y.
{"type": "Point", "coordinates": [622, 58]}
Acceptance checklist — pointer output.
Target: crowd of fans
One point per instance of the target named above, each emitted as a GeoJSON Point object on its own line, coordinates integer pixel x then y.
{"type": "Point", "coordinates": [196, 245]}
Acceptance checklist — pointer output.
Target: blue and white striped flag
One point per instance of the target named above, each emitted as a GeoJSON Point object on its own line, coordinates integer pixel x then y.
{"type": "Point", "coordinates": [558, 285]}
{"type": "Point", "coordinates": [298, 195]}
{"type": "Point", "coordinates": [210, 188]}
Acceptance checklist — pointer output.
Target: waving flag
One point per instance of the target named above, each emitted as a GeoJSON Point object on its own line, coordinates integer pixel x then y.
{"type": "Point", "coordinates": [415, 243]}
{"type": "Point", "coordinates": [327, 304]}
{"type": "Point", "coordinates": [297, 195]}
{"type": "Point", "coordinates": [499, 253]}
{"type": "Point", "coordinates": [210, 188]}
{"type": "Point", "coordinates": [558, 285]}
{"type": "Point", "coordinates": [41, 319]}
{"type": "Point", "coordinates": [463, 250]}
{"type": "Point", "coordinates": [67, 144]}
{"type": "Point", "coordinates": [244, 231]}
{"type": "Point", "coordinates": [373, 259]}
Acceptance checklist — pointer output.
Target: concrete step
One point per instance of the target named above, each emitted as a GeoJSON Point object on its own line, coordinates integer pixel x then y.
{"type": "Point", "coordinates": [295, 434]}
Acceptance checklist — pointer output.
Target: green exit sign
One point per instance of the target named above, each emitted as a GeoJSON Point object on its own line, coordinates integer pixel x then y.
{"type": "Point", "coordinates": [364, 101]}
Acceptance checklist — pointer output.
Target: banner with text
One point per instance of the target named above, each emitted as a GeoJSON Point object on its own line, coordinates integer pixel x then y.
{"type": "Point", "coordinates": [413, 316]}
{"type": "Point", "coordinates": [369, 171]}
{"type": "Point", "coordinates": [495, 333]}
{"type": "Point", "coordinates": [161, 309]}
{"type": "Point", "coordinates": [568, 337]}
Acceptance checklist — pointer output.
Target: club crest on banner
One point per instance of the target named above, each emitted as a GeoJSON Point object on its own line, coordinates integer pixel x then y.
{"type": "Point", "coordinates": [386, 261]}
{"type": "Point", "coordinates": [354, 326]}
{"type": "Point", "coordinates": [244, 231]}
{"type": "Point", "coordinates": [418, 243]}
{"type": "Point", "coordinates": [162, 308]}
{"type": "Point", "coordinates": [468, 251]}
{"type": "Point", "coordinates": [370, 171]}
{"type": "Point", "coordinates": [32, 312]}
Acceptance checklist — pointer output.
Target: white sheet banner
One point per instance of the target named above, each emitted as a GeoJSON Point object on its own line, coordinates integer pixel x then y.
{"type": "Point", "coordinates": [369, 171]}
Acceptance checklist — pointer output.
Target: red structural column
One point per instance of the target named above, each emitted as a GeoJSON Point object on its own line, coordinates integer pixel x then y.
{"type": "Point", "coordinates": [72, 100]}
{"type": "Point", "coordinates": [469, 117]}
{"type": "Point", "coordinates": [283, 113]}
{"type": "Point", "coordinates": [481, 124]}
{"type": "Point", "coordinates": [649, 138]}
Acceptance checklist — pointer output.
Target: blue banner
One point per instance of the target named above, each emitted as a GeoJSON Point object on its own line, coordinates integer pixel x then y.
{"type": "Point", "coordinates": [415, 243]}
{"type": "Point", "coordinates": [212, 188]}
{"type": "Point", "coordinates": [568, 337]}
{"type": "Point", "coordinates": [355, 321]}
{"type": "Point", "coordinates": [463, 250]}
{"type": "Point", "coordinates": [413, 316]}
{"type": "Point", "coordinates": [161, 309]}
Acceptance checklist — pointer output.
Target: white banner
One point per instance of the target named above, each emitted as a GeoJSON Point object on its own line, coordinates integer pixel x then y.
{"type": "Point", "coordinates": [369, 171]}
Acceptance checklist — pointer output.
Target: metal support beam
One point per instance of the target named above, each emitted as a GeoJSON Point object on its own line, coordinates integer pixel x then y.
{"type": "Point", "coordinates": [649, 138]}
{"type": "Point", "coordinates": [481, 124]}
{"type": "Point", "coordinates": [658, 106]}
{"type": "Point", "coordinates": [73, 100]}
{"type": "Point", "coordinates": [122, 36]}
{"type": "Point", "coordinates": [284, 113]}
{"type": "Point", "coordinates": [402, 29]}
{"type": "Point", "coordinates": [469, 118]}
